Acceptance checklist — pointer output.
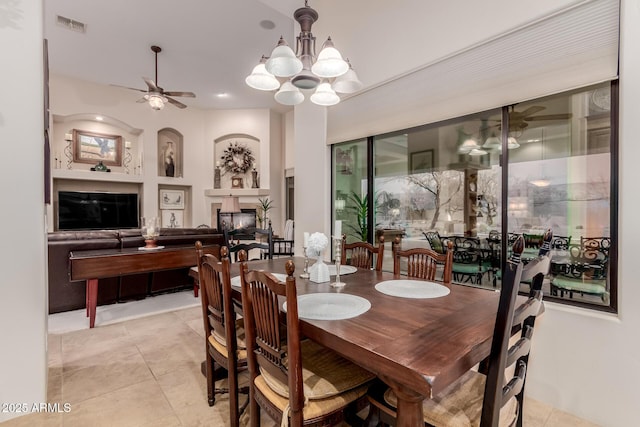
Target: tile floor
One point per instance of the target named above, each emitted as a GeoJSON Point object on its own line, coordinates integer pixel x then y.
{"type": "Point", "coordinates": [140, 366]}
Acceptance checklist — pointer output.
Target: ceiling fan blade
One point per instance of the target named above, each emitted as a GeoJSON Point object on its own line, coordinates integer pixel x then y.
{"type": "Point", "coordinates": [176, 103]}
{"type": "Point", "coordinates": [186, 94]}
{"type": "Point", "coordinates": [151, 84]}
{"type": "Point", "coordinates": [132, 88]}
{"type": "Point", "coordinates": [550, 117]}
{"type": "Point", "coordinates": [531, 110]}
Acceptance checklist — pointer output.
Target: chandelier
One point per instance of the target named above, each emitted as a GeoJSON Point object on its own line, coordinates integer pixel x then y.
{"type": "Point", "coordinates": [290, 72]}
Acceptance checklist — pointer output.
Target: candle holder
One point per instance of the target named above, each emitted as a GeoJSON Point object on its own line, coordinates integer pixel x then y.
{"type": "Point", "coordinates": [126, 162]}
{"type": "Point", "coordinates": [150, 229]}
{"type": "Point", "coordinates": [305, 272]}
{"type": "Point", "coordinates": [338, 250]}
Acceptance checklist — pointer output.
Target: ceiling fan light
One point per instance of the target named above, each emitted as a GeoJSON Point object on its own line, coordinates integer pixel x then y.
{"type": "Point", "coordinates": [325, 95]}
{"type": "Point", "coordinates": [347, 83]}
{"type": "Point", "coordinates": [512, 143]}
{"type": "Point", "coordinates": [283, 62]}
{"type": "Point", "coordinates": [156, 101]}
{"type": "Point", "coordinates": [289, 94]}
{"type": "Point", "coordinates": [261, 79]}
{"type": "Point", "coordinates": [329, 63]}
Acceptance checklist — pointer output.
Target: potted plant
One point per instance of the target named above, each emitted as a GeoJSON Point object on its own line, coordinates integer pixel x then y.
{"type": "Point", "coordinates": [264, 206]}
{"type": "Point", "coordinates": [359, 206]}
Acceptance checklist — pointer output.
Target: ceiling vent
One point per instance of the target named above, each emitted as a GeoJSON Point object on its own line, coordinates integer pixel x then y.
{"type": "Point", "coordinates": [72, 25]}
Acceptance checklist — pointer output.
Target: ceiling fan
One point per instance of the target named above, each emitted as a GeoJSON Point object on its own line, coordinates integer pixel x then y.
{"type": "Point", "coordinates": [519, 120]}
{"type": "Point", "coordinates": [155, 95]}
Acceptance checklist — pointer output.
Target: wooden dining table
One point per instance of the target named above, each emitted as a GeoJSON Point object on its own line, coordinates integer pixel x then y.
{"type": "Point", "coordinates": [416, 346]}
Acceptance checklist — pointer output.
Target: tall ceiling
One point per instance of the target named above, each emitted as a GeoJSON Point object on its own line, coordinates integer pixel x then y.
{"type": "Point", "coordinates": [208, 47]}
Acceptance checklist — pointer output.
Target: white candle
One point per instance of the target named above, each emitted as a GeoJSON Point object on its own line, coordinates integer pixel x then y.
{"type": "Point", "coordinates": [127, 144]}
{"type": "Point", "coordinates": [67, 137]}
{"type": "Point", "coordinates": [338, 230]}
{"type": "Point", "coordinates": [306, 239]}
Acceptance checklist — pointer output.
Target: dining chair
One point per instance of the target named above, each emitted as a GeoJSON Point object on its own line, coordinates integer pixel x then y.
{"type": "Point", "coordinates": [435, 241]}
{"type": "Point", "coordinates": [585, 272]}
{"type": "Point", "coordinates": [423, 263]}
{"type": "Point", "coordinates": [223, 331]}
{"type": "Point", "coordinates": [494, 395]}
{"type": "Point", "coordinates": [361, 254]}
{"type": "Point", "coordinates": [284, 246]}
{"type": "Point", "coordinates": [470, 260]}
{"type": "Point", "coordinates": [291, 377]}
{"type": "Point", "coordinates": [256, 238]}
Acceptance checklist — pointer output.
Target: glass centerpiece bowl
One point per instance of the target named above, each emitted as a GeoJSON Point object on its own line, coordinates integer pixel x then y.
{"type": "Point", "coordinates": [150, 229]}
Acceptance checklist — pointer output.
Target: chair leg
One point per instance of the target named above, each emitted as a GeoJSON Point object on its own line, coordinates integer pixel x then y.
{"type": "Point", "coordinates": [210, 368]}
{"type": "Point", "coordinates": [233, 397]}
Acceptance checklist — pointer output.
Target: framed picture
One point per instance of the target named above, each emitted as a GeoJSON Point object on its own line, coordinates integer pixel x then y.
{"type": "Point", "coordinates": [421, 161]}
{"type": "Point", "coordinates": [172, 218]}
{"type": "Point", "coordinates": [171, 199]}
{"type": "Point", "coordinates": [92, 147]}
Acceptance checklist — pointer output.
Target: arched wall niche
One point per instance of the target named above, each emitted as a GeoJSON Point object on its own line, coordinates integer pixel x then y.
{"type": "Point", "coordinates": [247, 141]}
{"type": "Point", "coordinates": [170, 154]}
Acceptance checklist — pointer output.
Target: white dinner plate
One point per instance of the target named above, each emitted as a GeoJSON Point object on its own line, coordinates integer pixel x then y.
{"type": "Point", "coordinates": [412, 289]}
{"type": "Point", "coordinates": [344, 269]}
{"type": "Point", "coordinates": [235, 281]}
{"type": "Point", "coordinates": [330, 306]}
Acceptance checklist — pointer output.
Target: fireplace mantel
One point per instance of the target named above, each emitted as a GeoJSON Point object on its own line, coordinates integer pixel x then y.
{"type": "Point", "coordinates": [241, 192]}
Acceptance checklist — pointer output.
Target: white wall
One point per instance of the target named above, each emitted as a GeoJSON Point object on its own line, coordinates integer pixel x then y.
{"type": "Point", "coordinates": [23, 307]}
{"type": "Point", "coordinates": [584, 362]}
{"type": "Point", "coordinates": [200, 128]}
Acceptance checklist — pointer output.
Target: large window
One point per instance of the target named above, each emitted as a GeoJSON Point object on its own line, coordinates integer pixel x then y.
{"type": "Point", "coordinates": [445, 181]}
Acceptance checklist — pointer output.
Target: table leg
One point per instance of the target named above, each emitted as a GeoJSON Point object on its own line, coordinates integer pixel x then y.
{"type": "Point", "coordinates": [409, 410]}
{"type": "Point", "coordinates": [92, 300]}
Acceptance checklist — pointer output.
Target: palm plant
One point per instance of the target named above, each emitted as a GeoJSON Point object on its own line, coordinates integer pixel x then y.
{"type": "Point", "coordinates": [264, 206]}
{"type": "Point", "coordinates": [359, 206]}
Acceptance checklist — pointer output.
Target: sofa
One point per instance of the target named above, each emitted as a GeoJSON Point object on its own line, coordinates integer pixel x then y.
{"type": "Point", "coordinates": [65, 295]}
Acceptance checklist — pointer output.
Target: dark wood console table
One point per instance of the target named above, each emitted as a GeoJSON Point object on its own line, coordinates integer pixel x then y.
{"type": "Point", "coordinates": [98, 264]}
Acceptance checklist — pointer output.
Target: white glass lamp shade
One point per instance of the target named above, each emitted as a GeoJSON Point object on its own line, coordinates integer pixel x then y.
{"type": "Point", "coordinates": [492, 142]}
{"type": "Point", "coordinates": [156, 101]}
{"type": "Point", "coordinates": [324, 95]}
{"type": "Point", "coordinates": [261, 79]}
{"type": "Point", "coordinates": [329, 63]}
{"type": "Point", "coordinates": [347, 83]}
{"type": "Point", "coordinates": [468, 145]}
{"type": "Point", "coordinates": [289, 94]}
{"type": "Point", "coordinates": [512, 143]}
{"type": "Point", "coordinates": [477, 152]}
{"type": "Point", "coordinates": [283, 62]}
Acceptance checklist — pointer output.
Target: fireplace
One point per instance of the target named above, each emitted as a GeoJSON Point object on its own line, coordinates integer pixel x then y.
{"type": "Point", "coordinates": [244, 219]}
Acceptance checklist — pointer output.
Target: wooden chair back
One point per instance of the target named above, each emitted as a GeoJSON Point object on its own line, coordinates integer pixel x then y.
{"type": "Point", "coordinates": [219, 315]}
{"type": "Point", "coordinates": [267, 347]}
{"type": "Point", "coordinates": [265, 235]}
{"type": "Point", "coordinates": [422, 263]}
{"type": "Point", "coordinates": [215, 282]}
{"type": "Point", "coordinates": [361, 254]}
{"type": "Point", "coordinates": [499, 388]}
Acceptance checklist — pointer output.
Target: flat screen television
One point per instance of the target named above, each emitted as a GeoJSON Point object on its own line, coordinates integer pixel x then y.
{"type": "Point", "coordinates": [79, 210]}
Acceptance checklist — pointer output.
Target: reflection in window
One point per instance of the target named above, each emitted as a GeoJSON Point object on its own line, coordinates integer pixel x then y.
{"type": "Point", "coordinates": [444, 181]}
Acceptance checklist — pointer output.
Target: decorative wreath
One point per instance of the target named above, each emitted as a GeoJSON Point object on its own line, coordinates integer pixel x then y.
{"type": "Point", "coordinates": [237, 158]}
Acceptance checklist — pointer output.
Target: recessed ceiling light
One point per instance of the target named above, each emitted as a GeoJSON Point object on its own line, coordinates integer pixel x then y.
{"type": "Point", "coordinates": [267, 24]}
{"type": "Point", "coordinates": [222, 95]}
{"type": "Point", "coordinates": [533, 140]}
{"type": "Point", "coordinates": [99, 118]}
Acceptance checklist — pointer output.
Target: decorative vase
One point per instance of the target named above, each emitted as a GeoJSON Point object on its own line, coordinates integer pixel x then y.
{"type": "Point", "coordinates": [254, 177]}
{"type": "Point", "coordinates": [319, 272]}
{"type": "Point", "coordinates": [150, 230]}
{"type": "Point", "coordinates": [100, 167]}
{"type": "Point", "coordinates": [216, 177]}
